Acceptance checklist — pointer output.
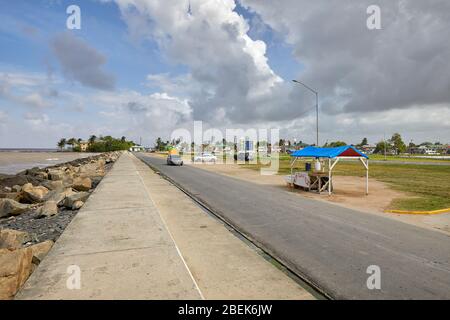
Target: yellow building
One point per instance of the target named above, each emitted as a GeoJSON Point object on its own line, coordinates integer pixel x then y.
{"type": "Point", "coordinates": [84, 146]}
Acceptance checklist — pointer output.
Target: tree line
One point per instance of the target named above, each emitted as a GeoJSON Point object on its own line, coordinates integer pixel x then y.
{"type": "Point", "coordinates": [96, 144]}
{"type": "Point", "coordinates": [393, 145]}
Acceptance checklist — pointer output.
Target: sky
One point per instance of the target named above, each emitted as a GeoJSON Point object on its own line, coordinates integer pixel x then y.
{"type": "Point", "coordinates": [146, 68]}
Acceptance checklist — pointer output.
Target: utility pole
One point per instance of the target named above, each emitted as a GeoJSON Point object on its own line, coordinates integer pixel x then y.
{"type": "Point", "coordinates": [317, 119]}
{"type": "Point", "coordinates": [317, 108]}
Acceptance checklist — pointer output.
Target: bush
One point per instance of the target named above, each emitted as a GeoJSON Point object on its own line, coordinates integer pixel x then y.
{"type": "Point", "coordinates": [111, 144]}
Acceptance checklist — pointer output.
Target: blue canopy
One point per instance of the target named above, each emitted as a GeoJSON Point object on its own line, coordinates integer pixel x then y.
{"type": "Point", "coordinates": [315, 152]}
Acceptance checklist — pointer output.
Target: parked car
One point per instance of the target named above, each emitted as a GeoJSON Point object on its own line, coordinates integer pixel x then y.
{"type": "Point", "coordinates": [174, 160]}
{"type": "Point", "coordinates": [205, 157]}
{"type": "Point", "coordinates": [244, 156]}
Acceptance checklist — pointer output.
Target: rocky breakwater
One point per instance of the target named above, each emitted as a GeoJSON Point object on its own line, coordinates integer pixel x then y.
{"type": "Point", "coordinates": [36, 205]}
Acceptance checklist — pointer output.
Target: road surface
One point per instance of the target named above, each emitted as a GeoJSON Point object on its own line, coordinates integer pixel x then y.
{"type": "Point", "coordinates": [330, 246]}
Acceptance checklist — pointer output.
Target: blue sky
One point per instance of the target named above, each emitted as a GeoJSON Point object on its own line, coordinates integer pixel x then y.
{"type": "Point", "coordinates": [29, 26]}
{"type": "Point", "coordinates": [104, 29]}
{"type": "Point", "coordinates": [149, 68]}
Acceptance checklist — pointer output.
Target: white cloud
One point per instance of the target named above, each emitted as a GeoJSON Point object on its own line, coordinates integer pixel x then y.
{"type": "Point", "coordinates": [415, 123]}
{"type": "Point", "coordinates": [228, 70]}
{"type": "Point", "coordinates": [135, 115]}
{"type": "Point", "coordinates": [38, 121]}
{"type": "Point", "coordinates": [362, 70]}
{"type": "Point", "coordinates": [28, 89]}
{"type": "Point", "coordinates": [33, 130]}
{"type": "Point", "coordinates": [361, 75]}
{"type": "Point", "coordinates": [182, 85]}
{"type": "Point", "coordinates": [35, 99]}
{"type": "Point", "coordinates": [3, 117]}
{"type": "Point", "coordinates": [22, 79]}
{"type": "Point", "coordinates": [370, 82]}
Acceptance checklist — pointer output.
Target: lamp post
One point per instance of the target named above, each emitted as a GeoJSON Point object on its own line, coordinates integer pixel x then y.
{"type": "Point", "coordinates": [317, 108]}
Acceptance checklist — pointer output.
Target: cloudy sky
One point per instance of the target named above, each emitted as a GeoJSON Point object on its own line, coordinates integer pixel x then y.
{"type": "Point", "coordinates": [143, 68]}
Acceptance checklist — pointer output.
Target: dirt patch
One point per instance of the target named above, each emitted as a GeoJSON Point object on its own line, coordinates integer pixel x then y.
{"type": "Point", "coordinates": [350, 192]}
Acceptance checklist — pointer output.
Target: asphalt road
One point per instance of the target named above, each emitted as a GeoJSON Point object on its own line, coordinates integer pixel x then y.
{"type": "Point", "coordinates": [330, 246]}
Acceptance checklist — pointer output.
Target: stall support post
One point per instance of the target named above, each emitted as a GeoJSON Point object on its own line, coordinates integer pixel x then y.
{"type": "Point", "coordinates": [292, 182]}
{"type": "Point", "coordinates": [292, 169]}
{"type": "Point", "coordinates": [367, 177]}
{"type": "Point", "coordinates": [366, 165]}
{"type": "Point", "coordinates": [329, 176]}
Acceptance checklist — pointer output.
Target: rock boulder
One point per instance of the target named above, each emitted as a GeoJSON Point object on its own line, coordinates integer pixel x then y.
{"type": "Point", "coordinates": [9, 207]}
{"type": "Point", "coordinates": [82, 184]}
{"type": "Point", "coordinates": [59, 195]}
{"type": "Point", "coordinates": [55, 175]}
{"type": "Point", "coordinates": [41, 249]}
{"type": "Point", "coordinates": [77, 205]}
{"type": "Point", "coordinates": [13, 239]}
{"type": "Point", "coordinates": [11, 195]}
{"type": "Point", "coordinates": [34, 194]}
{"type": "Point", "coordinates": [49, 209]}
{"type": "Point", "coordinates": [15, 268]}
{"type": "Point", "coordinates": [80, 196]}
{"type": "Point", "coordinates": [53, 185]}
{"type": "Point", "coordinates": [42, 175]}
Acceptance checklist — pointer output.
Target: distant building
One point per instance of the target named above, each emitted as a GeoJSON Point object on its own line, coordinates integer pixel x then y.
{"type": "Point", "coordinates": [431, 149]}
{"type": "Point", "coordinates": [275, 149]}
{"type": "Point", "coordinates": [221, 149]}
{"type": "Point", "coordinates": [299, 145]}
{"type": "Point", "coordinates": [83, 146]}
{"type": "Point", "coordinates": [262, 149]}
{"type": "Point", "coordinates": [137, 148]}
{"type": "Point", "coordinates": [367, 148]}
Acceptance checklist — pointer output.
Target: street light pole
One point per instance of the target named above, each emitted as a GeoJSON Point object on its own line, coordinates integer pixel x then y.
{"type": "Point", "coordinates": [317, 119]}
{"type": "Point", "coordinates": [317, 108]}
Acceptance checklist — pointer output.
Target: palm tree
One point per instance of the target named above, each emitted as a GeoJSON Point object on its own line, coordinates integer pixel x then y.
{"type": "Point", "coordinates": [159, 144]}
{"type": "Point", "coordinates": [62, 143]}
{"type": "Point", "coordinates": [92, 139]}
{"type": "Point", "coordinates": [72, 141]}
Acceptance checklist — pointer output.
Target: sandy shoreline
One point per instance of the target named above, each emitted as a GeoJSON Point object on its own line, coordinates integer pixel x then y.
{"type": "Point", "coordinates": [14, 162]}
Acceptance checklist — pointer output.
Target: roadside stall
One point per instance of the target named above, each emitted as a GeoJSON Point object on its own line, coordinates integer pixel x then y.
{"type": "Point", "coordinates": [320, 175]}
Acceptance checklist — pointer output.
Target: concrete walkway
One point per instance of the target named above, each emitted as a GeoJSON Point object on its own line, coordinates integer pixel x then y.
{"type": "Point", "coordinates": [139, 237]}
{"type": "Point", "coordinates": [121, 246]}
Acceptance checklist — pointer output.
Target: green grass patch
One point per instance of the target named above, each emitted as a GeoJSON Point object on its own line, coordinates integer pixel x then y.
{"type": "Point", "coordinates": [412, 158]}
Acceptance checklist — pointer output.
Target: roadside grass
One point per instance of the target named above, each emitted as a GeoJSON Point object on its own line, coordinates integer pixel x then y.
{"type": "Point", "coordinates": [428, 185]}
{"type": "Point", "coordinates": [409, 158]}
